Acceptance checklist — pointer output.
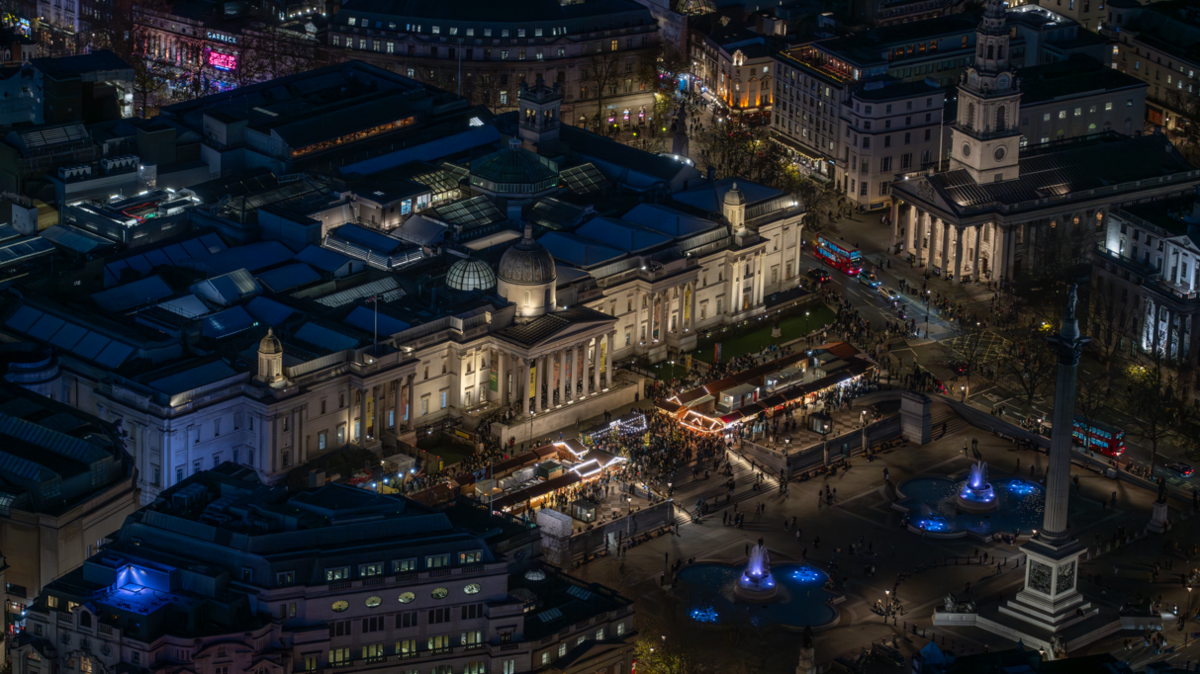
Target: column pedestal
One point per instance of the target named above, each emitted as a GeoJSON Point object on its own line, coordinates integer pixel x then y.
{"type": "Point", "coordinates": [916, 422]}
{"type": "Point", "coordinates": [1050, 601]}
{"type": "Point", "coordinates": [1159, 521]}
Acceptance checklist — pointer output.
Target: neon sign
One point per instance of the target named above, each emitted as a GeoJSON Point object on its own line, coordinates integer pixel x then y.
{"type": "Point", "coordinates": [222, 61]}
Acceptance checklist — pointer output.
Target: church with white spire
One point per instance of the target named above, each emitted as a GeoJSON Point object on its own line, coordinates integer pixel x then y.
{"type": "Point", "coordinates": [1002, 211]}
{"type": "Point", "coordinates": [986, 138]}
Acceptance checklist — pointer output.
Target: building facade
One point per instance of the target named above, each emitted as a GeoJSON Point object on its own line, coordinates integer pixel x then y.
{"type": "Point", "coordinates": [601, 51]}
{"type": "Point", "coordinates": [1002, 212]}
{"type": "Point", "coordinates": [1146, 286]}
{"type": "Point", "coordinates": [893, 129]}
{"type": "Point", "coordinates": [1159, 44]}
{"type": "Point", "coordinates": [85, 484]}
{"type": "Point", "coordinates": [334, 577]}
{"type": "Point", "coordinates": [1078, 97]}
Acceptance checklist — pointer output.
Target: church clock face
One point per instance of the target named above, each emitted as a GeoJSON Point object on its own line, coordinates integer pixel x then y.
{"type": "Point", "coordinates": [1002, 82]}
{"type": "Point", "coordinates": [1000, 153]}
{"type": "Point", "coordinates": [966, 150]}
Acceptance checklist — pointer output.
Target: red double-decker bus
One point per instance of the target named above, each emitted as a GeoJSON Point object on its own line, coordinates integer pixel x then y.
{"type": "Point", "coordinates": [848, 260]}
{"type": "Point", "coordinates": [1108, 440]}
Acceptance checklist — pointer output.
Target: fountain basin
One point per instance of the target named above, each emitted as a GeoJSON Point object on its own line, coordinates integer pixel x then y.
{"type": "Point", "coordinates": [976, 499]}
{"type": "Point", "coordinates": [976, 495]}
{"type": "Point", "coordinates": [756, 583]}
{"type": "Point", "coordinates": [934, 509]}
{"type": "Point", "coordinates": [709, 600]}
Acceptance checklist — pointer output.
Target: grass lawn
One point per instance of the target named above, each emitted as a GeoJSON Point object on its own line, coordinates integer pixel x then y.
{"type": "Point", "coordinates": [665, 370]}
{"type": "Point", "coordinates": [739, 341]}
{"type": "Point", "coordinates": [451, 452]}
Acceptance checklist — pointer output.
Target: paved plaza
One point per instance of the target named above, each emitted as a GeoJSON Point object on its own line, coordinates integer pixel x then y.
{"type": "Point", "coordinates": [1110, 576]}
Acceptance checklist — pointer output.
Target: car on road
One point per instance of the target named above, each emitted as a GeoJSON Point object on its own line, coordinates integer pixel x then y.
{"type": "Point", "coordinates": [1180, 469]}
{"type": "Point", "coordinates": [819, 275]}
{"type": "Point", "coordinates": [868, 278]}
{"type": "Point", "coordinates": [958, 367]}
{"type": "Point", "coordinates": [889, 294]}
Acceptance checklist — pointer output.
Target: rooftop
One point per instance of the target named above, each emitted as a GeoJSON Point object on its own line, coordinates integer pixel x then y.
{"type": "Point", "coordinates": [1059, 171]}
{"type": "Point", "coordinates": [505, 12]}
{"type": "Point", "coordinates": [1074, 76]}
{"type": "Point", "coordinates": [45, 445]}
{"type": "Point", "coordinates": [897, 90]}
{"type": "Point", "coordinates": [62, 67]}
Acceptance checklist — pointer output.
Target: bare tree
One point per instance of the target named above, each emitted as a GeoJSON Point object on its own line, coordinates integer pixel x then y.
{"type": "Point", "coordinates": [1158, 413]}
{"type": "Point", "coordinates": [1187, 124]}
{"type": "Point", "coordinates": [1107, 324]}
{"type": "Point", "coordinates": [601, 76]}
{"type": "Point", "coordinates": [820, 204]}
{"type": "Point", "coordinates": [749, 152]}
{"type": "Point", "coordinates": [1093, 394]}
{"type": "Point", "coordinates": [148, 83]}
{"type": "Point", "coordinates": [1027, 363]}
{"type": "Point", "coordinates": [969, 348]}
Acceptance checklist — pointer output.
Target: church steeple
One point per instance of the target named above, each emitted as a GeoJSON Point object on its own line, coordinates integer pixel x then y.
{"type": "Point", "coordinates": [986, 139]}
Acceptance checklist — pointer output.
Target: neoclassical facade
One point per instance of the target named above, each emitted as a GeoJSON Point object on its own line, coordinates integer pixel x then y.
{"type": "Point", "coordinates": [1002, 211]}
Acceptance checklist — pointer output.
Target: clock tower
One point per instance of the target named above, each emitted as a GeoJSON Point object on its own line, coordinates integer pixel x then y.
{"type": "Point", "coordinates": [986, 139]}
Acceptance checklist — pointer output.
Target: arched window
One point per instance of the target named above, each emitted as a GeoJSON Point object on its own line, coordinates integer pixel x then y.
{"type": "Point", "coordinates": [970, 115]}
{"type": "Point", "coordinates": [991, 51]}
{"type": "Point", "coordinates": [1000, 118]}
{"type": "Point", "coordinates": [1000, 51]}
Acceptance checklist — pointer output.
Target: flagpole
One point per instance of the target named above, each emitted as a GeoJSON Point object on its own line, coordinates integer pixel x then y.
{"type": "Point", "coordinates": [375, 303]}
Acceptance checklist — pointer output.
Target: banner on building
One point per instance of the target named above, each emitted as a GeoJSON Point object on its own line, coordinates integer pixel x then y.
{"type": "Point", "coordinates": [493, 381]}
{"type": "Point", "coordinates": [717, 352]}
{"type": "Point", "coordinates": [533, 388]}
{"type": "Point", "coordinates": [687, 306]}
{"type": "Point", "coordinates": [603, 354]}
{"type": "Point", "coordinates": [370, 420]}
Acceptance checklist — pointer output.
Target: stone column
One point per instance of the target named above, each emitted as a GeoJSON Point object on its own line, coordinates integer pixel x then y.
{"type": "Point", "coordinates": [1069, 344]}
{"type": "Point", "coordinates": [596, 363]}
{"type": "Point", "coordinates": [637, 319]}
{"type": "Point", "coordinates": [975, 271]}
{"type": "Point", "coordinates": [539, 376]}
{"type": "Point", "coordinates": [362, 416]}
{"type": "Point", "coordinates": [584, 371]}
{"type": "Point", "coordinates": [944, 257]}
{"type": "Point", "coordinates": [910, 229]}
{"type": "Point", "coordinates": [917, 222]}
{"type": "Point", "coordinates": [692, 307]}
{"type": "Point", "coordinates": [397, 409]}
{"type": "Point", "coordinates": [799, 248]}
{"type": "Point", "coordinates": [562, 376]}
{"type": "Point", "coordinates": [897, 206]}
{"type": "Point", "coordinates": [608, 366]}
{"type": "Point", "coordinates": [928, 242]}
{"type": "Point", "coordinates": [958, 253]}
{"type": "Point", "coordinates": [411, 379]}
{"type": "Point", "coordinates": [523, 386]}
{"type": "Point", "coordinates": [1010, 251]}
{"type": "Point", "coordinates": [664, 314]}
{"type": "Point", "coordinates": [573, 353]}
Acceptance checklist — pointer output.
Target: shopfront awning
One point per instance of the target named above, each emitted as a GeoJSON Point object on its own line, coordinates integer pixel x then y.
{"type": "Point", "coordinates": [536, 491]}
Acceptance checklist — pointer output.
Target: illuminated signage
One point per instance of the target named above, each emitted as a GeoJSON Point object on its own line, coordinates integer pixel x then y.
{"type": "Point", "coordinates": [219, 37]}
{"type": "Point", "coordinates": [222, 61]}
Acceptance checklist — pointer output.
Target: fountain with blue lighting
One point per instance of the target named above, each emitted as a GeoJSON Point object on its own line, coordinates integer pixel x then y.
{"type": "Point", "coordinates": [790, 595]}
{"type": "Point", "coordinates": [976, 506]}
{"type": "Point", "coordinates": [977, 495]}
{"type": "Point", "coordinates": [756, 583]}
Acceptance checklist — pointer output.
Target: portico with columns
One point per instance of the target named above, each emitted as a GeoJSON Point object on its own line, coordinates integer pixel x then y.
{"type": "Point", "coordinates": [969, 251]}
{"type": "Point", "coordinates": [556, 370]}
